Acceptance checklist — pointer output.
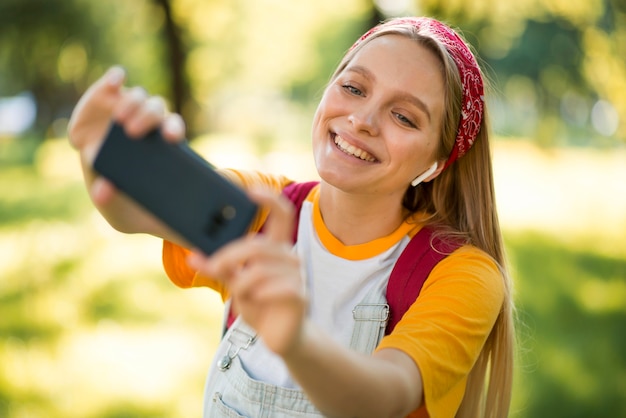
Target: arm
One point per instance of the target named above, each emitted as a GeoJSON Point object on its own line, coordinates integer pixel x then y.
{"type": "Point", "coordinates": [343, 383]}
{"type": "Point", "coordinates": [106, 100]}
{"type": "Point", "coordinates": [263, 277]}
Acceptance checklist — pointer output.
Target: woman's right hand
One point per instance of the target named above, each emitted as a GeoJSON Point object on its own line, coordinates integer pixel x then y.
{"type": "Point", "coordinates": [264, 276]}
{"type": "Point", "coordinates": [106, 101]}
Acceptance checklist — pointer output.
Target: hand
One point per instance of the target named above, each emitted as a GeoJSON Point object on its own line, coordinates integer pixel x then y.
{"type": "Point", "coordinates": [105, 101]}
{"type": "Point", "coordinates": [264, 277]}
{"type": "Point", "coordinates": [108, 100]}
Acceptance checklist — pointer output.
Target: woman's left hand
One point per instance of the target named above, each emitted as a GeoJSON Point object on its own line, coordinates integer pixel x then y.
{"type": "Point", "coordinates": [263, 276]}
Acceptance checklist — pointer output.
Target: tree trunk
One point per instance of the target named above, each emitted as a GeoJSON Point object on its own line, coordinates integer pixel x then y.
{"type": "Point", "coordinates": [181, 97]}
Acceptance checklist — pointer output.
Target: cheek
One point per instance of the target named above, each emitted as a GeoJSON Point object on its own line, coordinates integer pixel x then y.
{"type": "Point", "coordinates": [325, 111]}
{"type": "Point", "coordinates": [318, 117]}
{"type": "Point", "coordinates": [319, 129]}
{"type": "Point", "coordinates": [317, 126]}
{"type": "Point", "coordinates": [414, 152]}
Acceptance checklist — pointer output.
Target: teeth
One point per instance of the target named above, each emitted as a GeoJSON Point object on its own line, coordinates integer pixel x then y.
{"type": "Point", "coordinates": [352, 150]}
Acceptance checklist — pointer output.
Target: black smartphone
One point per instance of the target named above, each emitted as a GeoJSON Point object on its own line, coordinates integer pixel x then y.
{"type": "Point", "coordinates": [177, 185]}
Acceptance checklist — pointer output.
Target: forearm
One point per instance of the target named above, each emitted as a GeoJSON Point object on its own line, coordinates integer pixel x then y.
{"type": "Point", "coordinates": [344, 383]}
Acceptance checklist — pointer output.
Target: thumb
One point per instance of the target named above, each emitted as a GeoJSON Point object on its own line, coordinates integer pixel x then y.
{"type": "Point", "coordinates": [94, 110]}
{"type": "Point", "coordinates": [279, 226]}
{"type": "Point", "coordinates": [112, 80]}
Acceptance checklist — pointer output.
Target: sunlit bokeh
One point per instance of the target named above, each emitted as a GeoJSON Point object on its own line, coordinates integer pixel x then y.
{"type": "Point", "coordinates": [17, 113]}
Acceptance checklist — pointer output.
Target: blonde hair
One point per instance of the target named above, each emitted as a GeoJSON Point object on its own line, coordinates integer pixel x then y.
{"type": "Point", "coordinates": [462, 200]}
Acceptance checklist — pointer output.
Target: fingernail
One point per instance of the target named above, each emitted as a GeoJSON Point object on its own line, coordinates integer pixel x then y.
{"type": "Point", "coordinates": [115, 76]}
{"type": "Point", "coordinates": [173, 126]}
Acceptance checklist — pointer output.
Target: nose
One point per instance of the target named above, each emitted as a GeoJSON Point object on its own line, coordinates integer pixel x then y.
{"type": "Point", "coordinates": [365, 119]}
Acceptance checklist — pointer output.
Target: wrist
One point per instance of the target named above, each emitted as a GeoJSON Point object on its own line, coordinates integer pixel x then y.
{"type": "Point", "coordinates": [302, 343]}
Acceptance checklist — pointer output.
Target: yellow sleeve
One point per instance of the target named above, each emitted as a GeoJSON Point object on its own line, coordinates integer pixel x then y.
{"type": "Point", "coordinates": [445, 329]}
{"type": "Point", "coordinates": [175, 257]}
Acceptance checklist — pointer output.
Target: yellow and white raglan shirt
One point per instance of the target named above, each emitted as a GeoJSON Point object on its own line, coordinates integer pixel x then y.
{"type": "Point", "coordinates": [443, 331]}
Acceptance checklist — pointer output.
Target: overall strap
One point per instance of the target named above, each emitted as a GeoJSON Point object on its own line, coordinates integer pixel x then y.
{"type": "Point", "coordinates": [370, 320]}
{"type": "Point", "coordinates": [412, 269]}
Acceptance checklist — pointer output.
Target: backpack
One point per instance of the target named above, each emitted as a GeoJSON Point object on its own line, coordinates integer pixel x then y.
{"type": "Point", "coordinates": [414, 265]}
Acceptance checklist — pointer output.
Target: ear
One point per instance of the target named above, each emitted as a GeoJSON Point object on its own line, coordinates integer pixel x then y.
{"type": "Point", "coordinates": [428, 175]}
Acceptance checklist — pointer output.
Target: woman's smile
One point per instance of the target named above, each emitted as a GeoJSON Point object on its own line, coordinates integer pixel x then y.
{"type": "Point", "coordinates": [350, 149]}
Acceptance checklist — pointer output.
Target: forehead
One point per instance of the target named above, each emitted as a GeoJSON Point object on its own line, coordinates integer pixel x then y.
{"type": "Point", "coordinates": [400, 67]}
{"type": "Point", "coordinates": [398, 56]}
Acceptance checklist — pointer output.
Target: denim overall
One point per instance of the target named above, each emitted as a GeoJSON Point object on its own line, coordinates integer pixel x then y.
{"type": "Point", "coordinates": [231, 392]}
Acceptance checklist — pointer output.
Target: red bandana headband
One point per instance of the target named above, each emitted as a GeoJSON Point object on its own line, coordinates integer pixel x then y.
{"type": "Point", "coordinates": [471, 78]}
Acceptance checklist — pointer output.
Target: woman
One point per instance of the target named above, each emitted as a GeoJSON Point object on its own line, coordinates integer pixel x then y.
{"type": "Point", "coordinates": [401, 144]}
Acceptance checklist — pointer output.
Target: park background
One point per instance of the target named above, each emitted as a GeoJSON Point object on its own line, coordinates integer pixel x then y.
{"type": "Point", "coordinates": [90, 327]}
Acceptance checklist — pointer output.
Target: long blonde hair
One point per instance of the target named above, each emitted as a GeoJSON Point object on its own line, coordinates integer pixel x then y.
{"type": "Point", "coordinates": [462, 198]}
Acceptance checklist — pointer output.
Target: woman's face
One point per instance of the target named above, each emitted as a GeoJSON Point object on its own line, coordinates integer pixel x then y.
{"type": "Point", "coordinates": [377, 126]}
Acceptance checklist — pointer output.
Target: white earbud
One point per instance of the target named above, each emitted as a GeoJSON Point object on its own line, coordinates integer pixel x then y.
{"type": "Point", "coordinates": [425, 174]}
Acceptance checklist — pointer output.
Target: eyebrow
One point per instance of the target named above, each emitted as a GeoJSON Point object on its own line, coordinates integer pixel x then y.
{"type": "Point", "coordinates": [404, 96]}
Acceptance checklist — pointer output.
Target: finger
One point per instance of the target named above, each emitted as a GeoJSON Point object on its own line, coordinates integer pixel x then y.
{"type": "Point", "coordinates": [224, 264]}
{"type": "Point", "coordinates": [131, 100]}
{"type": "Point", "coordinates": [110, 82]}
{"type": "Point", "coordinates": [280, 224]}
{"type": "Point", "coordinates": [200, 263]}
{"type": "Point", "coordinates": [264, 281]}
{"type": "Point", "coordinates": [102, 191]}
{"type": "Point", "coordinates": [148, 115]}
{"type": "Point", "coordinates": [173, 128]}
{"type": "Point", "coordinates": [229, 260]}
{"type": "Point", "coordinates": [114, 78]}
{"type": "Point", "coordinates": [221, 268]}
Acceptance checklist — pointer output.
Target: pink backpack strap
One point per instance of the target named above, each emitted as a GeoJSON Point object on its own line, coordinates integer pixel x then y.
{"type": "Point", "coordinates": [412, 269]}
{"type": "Point", "coordinates": [297, 193]}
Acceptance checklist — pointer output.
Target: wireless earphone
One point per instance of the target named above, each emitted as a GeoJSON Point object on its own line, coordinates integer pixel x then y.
{"type": "Point", "coordinates": [425, 174]}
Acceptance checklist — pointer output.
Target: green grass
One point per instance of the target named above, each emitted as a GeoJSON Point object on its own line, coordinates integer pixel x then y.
{"type": "Point", "coordinates": [572, 311]}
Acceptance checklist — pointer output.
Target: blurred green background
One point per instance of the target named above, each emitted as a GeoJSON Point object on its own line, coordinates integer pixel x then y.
{"type": "Point", "coordinates": [89, 324]}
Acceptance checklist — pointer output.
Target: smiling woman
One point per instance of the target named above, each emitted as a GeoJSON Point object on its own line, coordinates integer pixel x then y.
{"type": "Point", "coordinates": [393, 90]}
{"type": "Point", "coordinates": [401, 146]}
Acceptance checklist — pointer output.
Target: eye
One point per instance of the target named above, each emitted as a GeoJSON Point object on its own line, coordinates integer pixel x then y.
{"type": "Point", "coordinates": [352, 90]}
{"type": "Point", "coordinates": [404, 120]}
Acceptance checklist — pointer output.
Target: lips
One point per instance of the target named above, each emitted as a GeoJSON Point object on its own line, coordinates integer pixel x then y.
{"type": "Point", "coordinates": [350, 149]}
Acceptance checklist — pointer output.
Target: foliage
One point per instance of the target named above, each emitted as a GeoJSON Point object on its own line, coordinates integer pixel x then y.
{"type": "Point", "coordinates": [558, 65]}
{"type": "Point", "coordinates": [209, 52]}
{"type": "Point", "coordinates": [55, 49]}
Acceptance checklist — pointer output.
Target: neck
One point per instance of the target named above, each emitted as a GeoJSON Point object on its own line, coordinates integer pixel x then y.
{"type": "Point", "coordinates": [359, 218]}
